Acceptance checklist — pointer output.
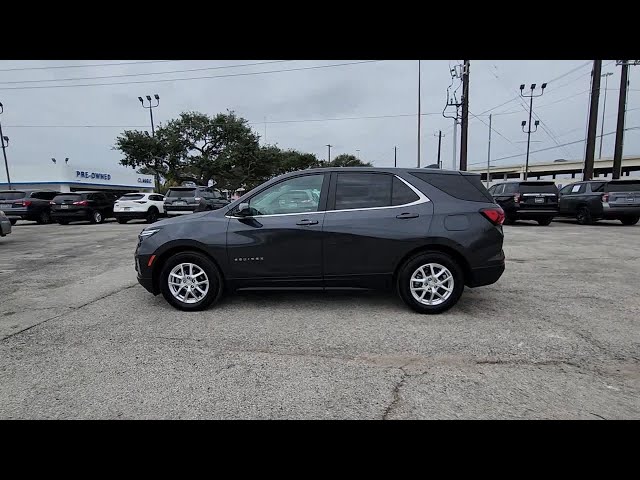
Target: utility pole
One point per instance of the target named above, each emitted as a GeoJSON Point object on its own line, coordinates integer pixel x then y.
{"type": "Point", "coordinates": [465, 116]}
{"type": "Point", "coordinates": [265, 130]}
{"type": "Point", "coordinates": [395, 156]}
{"type": "Point", "coordinates": [357, 154]}
{"type": "Point", "coordinates": [439, 146]}
{"type": "Point", "coordinates": [622, 104]}
{"type": "Point", "coordinates": [452, 101]}
{"type": "Point", "coordinates": [418, 113]}
{"type": "Point", "coordinates": [5, 143]}
{"type": "Point", "coordinates": [529, 131]}
{"type": "Point", "coordinates": [593, 121]}
{"type": "Point", "coordinates": [153, 131]}
{"type": "Point", "coordinates": [604, 108]}
{"type": "Point", "coordinates": [489, 154]}
{"type": "Point", "coordinates": [329, 154]}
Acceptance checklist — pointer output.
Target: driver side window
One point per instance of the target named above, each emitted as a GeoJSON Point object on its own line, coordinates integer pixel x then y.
{"type": "Point", "coordinates": [295, 195]}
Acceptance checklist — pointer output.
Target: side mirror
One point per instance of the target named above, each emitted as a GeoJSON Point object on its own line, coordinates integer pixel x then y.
{"type": "Point", "coordinates": [244, 210]}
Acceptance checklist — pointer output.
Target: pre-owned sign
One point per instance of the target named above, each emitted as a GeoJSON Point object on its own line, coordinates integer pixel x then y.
{"type": "Point", "coordinates": [93, 175]}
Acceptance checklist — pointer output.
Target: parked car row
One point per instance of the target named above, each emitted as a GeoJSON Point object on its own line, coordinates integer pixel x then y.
{"type": "Point", "coordinates": [586, 201]}
{"type": "Point", "coordinates": [46, 206]}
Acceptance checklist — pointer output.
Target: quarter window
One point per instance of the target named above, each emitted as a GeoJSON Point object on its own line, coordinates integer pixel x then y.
{"type": "Point", "coordinates": [295, 195]}
{"type": "Point", "coordinates": [401, 194]}
{"type": "Point", "coordinates": [363, 190]}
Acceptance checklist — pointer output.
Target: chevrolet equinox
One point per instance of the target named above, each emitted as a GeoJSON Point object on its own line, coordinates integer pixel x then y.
{"type": "Point", "coordinates": [426, 233]}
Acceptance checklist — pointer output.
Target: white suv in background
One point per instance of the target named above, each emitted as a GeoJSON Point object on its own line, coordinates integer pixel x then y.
{"type": "Point", "coordinates": [131, 206]}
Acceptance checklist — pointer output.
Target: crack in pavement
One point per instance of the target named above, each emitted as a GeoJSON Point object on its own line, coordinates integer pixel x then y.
{"type": "Point", "coordinates": [396, 392]}
{"type": "Point", "coordinates": [68, 309]}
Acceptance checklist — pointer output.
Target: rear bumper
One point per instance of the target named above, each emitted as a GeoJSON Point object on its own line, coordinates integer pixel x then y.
{"type": "Point", "coordinates": [487, 274]}
{"type": "Point", "coordinates": [618, 212]}
{"type": "Point", "coordinates": [130, 215]}
{"type": "Point", "coordinates": [20, 213]}
{"type": "Point", "coordinates": [73, 215]}
{"type": "Point", "coordinates": [179, 210]}
{"type": "Point", "coordinates": [533, 213]}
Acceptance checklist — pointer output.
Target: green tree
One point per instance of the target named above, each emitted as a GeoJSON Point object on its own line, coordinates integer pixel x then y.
{"type": "Point", "coordinates": [346, 160]}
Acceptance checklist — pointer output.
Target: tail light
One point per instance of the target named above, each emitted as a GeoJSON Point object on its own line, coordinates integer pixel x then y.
{"type": "Point", "coordinates": [26, 203]}
{"type": "Point", "coordinates": [82, 203]}
{"type": "Point", "coordinates": [494, 215]}
{"type": "Point", "coordinates": [52, 202]}
{"type": "Point", "coordinates": [516, 198]}
{"type": "Point", "coordinates": [605, 197]}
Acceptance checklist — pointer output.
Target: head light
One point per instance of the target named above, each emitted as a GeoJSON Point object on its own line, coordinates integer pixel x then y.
{"type": "Point", "coordinates": [148, 232]}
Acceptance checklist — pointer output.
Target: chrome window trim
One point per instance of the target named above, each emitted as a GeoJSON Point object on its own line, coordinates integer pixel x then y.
{"type": "Point", "coordinates": [422, 198]}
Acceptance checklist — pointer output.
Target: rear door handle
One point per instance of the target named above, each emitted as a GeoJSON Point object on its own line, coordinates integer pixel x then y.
{"type": "Point", "coordinates": [307, 222]}
{"type": "Point", "coordinates": [407, 215]}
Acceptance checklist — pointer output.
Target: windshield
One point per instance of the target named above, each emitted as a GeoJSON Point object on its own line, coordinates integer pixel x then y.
{"type": "Point", "coordinates": [132, 196]}
{"type": "Point", "coordinates": [12, 195]}
{"type": "Point", "coordinates": [69, 196]}
{"type": "Point", "coordinates": [624, 186]}
{"type": "Point", "coordinates": [538, 187]}
{"type": "Point", "coordinates": [181, 192]}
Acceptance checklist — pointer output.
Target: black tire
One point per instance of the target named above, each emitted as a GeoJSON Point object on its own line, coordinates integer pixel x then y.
{"type": "Point", "coordinates": [13, 221]}
{"type": "Point", "coordinates": [152, 215]}
{"type": "Point", "coordinates": [203, 262]}
{"type": "Point", "coordinates": [583, 215]}
{"type": "Point", "coordinates": [44, 218]}
{"type": "Point", "coordinates": [122, 220]}
{"type": "Point", "coordinates": [63, 222]}
{"type": "Point", "coordinates": [413, 264]}
{"type": "Point", "coordinates": [97, 217]}
{"type": "Point", "coordinates": [545, 221]}
{"type": "Point", "coordinates": [509, 220]}
{"type": "Point", "coordinates": [630, 220]}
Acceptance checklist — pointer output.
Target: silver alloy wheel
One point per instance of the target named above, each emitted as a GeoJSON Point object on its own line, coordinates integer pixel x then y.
{"type": "Point", "coordinates": [97, 216]}
{"type": "Point", "coordinates": [188, 283]}
{"type": "Point", "coordinates": [431, 284]}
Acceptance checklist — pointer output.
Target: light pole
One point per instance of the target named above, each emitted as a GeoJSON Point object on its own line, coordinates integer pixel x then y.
{"type": "Point", "coordinates": [329, 154]}
{"type": "Point", "coordinates": [5, 143]}
{"type": "Point", "coordinates": [357, 154]}
{"type": "Point", "coordinates": [531, 96]}
{"type": "Point", "coordinates": [604, 106]}
{"type": "Point", "coordinates": [151, 106]}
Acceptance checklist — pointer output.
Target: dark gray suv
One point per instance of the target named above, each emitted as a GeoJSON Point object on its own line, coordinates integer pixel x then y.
{"type": "Point", "coordinates": [183, 200]}
{"type": "Point", "coordinates": [426, 233]}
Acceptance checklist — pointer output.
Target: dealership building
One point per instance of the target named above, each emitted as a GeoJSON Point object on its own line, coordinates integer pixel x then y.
{"type": "Point", "coordinates": [71, 177]}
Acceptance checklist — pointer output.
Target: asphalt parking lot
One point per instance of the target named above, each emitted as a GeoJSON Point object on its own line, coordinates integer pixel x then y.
{"type": "Point", "coordinates": [558, 337]}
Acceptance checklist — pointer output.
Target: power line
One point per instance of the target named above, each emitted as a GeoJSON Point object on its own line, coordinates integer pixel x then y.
{"type": "Point", "coordinates": [367, 117]}
{"type": "Point", "coordinates": [147, 73]}
{"type": "Point", "coordinates": [551, 148]}
{"type": "Point", "coordinates": [314, 67]}
{"type": "Point", "coordinates": [87, 65]}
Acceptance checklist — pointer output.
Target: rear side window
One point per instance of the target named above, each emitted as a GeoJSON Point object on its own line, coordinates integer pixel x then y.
{"type": "Point", "coordinates": [538, 187]}
{"type": "Point", "coordinates": [363, 190]}
{"type": "Point", "coordinates": [74, 197]}
{"type": "Point", "coordinates": [401, 194]}
{"type": "Point", "coordinates": [597, 187]}
{"type": "Point", "coordinates": [624, 186]}
{"type": "Point", "coordinates": [13, 195]}
{"type": "Point", "coordinates": [458, 186]}
{"type": "Point", "coordinates": [181, 192]}
{"type": "Point", "coordinates": [510, 188]}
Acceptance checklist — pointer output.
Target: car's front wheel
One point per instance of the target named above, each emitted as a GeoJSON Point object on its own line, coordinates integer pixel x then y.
{"type": "Point", "coordinates": [190, 281]}
{"type": "Point", "coordinates": [152, 215]}
{"type": "Point", "coordinates": [583, 216]}
{"type": "Point", "coordinates": [545, 221]}
{"type": "Point", "coordinates": [97, 217]}
{"type": "Point", "coordinates": [430, 282]}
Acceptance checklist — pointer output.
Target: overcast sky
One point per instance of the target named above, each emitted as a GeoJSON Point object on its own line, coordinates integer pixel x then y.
{"type": "Point", "coordinates": [306, 109]}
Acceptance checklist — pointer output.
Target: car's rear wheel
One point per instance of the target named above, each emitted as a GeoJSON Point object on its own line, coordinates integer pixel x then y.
{"type": "Point", "coordinates": [122, 220]}
{"type": "Point", "coordinates": [509, 220]}
{"type": "Point", "coordinates": [152, 215]}
{"type": "Point", "coordinates": [190, 281]}
{"type": "Point", "coordinates": [97, 217]}
{"type": "Point", "coordinates": [13, 221]}
{"type": "Point", "coordinates": [545, 221]}
{"type": "Point", "coordinates": [583, 215]}
{"type": "Point", "coordinates": [44, 218]}
{"type": "Point", "coordinates": [430, 282]}
{"type": "Point", "coordinates": [630, 220]}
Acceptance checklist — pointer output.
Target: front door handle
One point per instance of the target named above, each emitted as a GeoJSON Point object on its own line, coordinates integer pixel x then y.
{"type": "Point", "coordinates": [407, 215]}
{"type": "Point", "coordinates": [307, 222]}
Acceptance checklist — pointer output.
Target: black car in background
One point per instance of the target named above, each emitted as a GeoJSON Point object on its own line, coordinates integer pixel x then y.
{"type": "Point", "coordinates": [425, 233]}
{"type": "Point", "coordinates": [527, 200]}
{"type": "Point", "coordinates": [601, 200]}
{"type": "Point", "coordinates": [78, 206]}
{"type": "Point", "coordinates": [184, 200]}
{"type": "Point", "coordinates": [30, 205]}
